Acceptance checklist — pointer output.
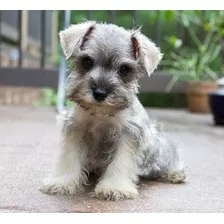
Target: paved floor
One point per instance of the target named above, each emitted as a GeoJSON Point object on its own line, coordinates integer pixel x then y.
{"type": "Point", "coordinates": [29, 137]}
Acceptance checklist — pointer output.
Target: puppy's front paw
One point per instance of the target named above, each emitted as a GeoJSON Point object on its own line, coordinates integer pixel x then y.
{"type": "Point", "coordinates": [105, 191]}
{"type": "Point", "coordinates": [59, 187]}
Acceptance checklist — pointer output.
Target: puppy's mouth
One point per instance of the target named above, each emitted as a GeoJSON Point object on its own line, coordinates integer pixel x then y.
{"type": "Point", "coordinates": [97, 108]}
{"type": "Point", "coordinates": [87, 102]}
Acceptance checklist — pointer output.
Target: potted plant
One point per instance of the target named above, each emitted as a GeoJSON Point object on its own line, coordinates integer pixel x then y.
{"type": "Point", "coordinates": [193, 65]}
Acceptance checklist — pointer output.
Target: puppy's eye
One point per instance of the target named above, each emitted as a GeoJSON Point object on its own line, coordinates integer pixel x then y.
{"type": "Point", "coordinates": [87, 63]}
{"type": "Point", "coordinates": [124, 70]}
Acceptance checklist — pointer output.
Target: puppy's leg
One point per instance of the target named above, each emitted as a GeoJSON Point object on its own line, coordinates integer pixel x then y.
{"type": "Point", "coordinates": [68, 176]}
{"type": "Point", "coordinates": [118, 181]}
{"type": "Point", "coordinates": [161, 161]}
{"type": "Point", "coordinates": [172, 170]}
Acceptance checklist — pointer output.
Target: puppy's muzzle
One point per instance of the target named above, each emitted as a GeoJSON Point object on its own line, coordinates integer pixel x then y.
{"type": "Point", "coordinates": [100, 94]}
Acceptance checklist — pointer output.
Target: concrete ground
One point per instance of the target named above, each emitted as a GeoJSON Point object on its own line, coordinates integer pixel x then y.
{"type": "Point", "coordinates": [29, 137]}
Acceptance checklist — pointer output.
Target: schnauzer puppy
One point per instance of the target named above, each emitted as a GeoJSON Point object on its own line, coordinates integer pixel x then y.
{"type": "Point", "coordinates": [108, 132]}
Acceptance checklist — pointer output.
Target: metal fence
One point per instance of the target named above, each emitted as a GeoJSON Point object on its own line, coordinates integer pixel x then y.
{"type": "Point", "coordinates": [12, 25]}
{"type": "Point", "coordinates": [19, 27]}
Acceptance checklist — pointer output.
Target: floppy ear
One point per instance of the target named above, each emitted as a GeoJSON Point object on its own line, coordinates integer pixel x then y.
{"type": "Point", "coordinates": [146, 52]}
{"type": "Point", "coordinates": [72, 39]}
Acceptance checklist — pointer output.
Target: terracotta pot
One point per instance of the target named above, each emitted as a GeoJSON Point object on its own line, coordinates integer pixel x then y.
{"type": "Point", "coordinates": [197, 95]}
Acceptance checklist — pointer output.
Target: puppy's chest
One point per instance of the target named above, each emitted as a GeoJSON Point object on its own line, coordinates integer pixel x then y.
{"type": "Point", "coordinates": [101, 142]}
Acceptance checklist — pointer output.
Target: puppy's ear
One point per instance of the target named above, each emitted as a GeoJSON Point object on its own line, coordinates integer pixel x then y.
{"type": "Point", "coordinates": [146, 52]}
{"type": "Point", "coordinates": [73, 38]}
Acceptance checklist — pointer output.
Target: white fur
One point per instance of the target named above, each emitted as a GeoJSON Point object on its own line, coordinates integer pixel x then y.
{"type": "Point", "coordinates": [68, 175]}
{"type": "Point", "coordinates": [150, 55]}
{"type": "Point", "coordinates": [71, 37]}
{"type": "Point", "coordinates": [119, 181]}
{"type": "Point", "coordinates": [120, 177]}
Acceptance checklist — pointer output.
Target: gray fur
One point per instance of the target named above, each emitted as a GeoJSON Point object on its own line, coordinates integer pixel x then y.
{"type": "Point", "coordinates": [102, 132]}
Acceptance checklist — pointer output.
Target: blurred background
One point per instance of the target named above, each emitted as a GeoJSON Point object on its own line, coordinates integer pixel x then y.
{"type": "Point", "coordinates": [191, 41]}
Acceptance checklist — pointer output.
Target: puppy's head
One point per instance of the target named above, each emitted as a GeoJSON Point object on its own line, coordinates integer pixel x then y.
{"type": "Point", "coordinates": [108, 62]}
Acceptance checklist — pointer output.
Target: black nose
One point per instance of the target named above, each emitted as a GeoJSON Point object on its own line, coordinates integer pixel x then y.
{"type": "Point", "coordinates": [99, 94]}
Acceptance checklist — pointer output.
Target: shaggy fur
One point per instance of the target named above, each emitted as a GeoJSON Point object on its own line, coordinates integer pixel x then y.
{"type": "Point", "coordinates": [114, 137]}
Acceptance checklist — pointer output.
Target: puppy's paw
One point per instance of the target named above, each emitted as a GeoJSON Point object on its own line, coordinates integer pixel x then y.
{"type": "Point", "coordinates": [174, 177]}
{"type": "Point", "coordinates": [105, 191]}
{"type": "Point", "coordinates": [58, 186]}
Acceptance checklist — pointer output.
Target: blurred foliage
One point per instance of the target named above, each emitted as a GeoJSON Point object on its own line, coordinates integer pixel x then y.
{"type": "Point", "coordinates": [169, 20]}
{"type": "Point", "coordinates": [164, 100]}
{"type": "Point", "coordinates": [193, 64]}
{"type": "Point", "coordinates": [196, 62]}
{"type": "Point", "coordinates": [49, 98]}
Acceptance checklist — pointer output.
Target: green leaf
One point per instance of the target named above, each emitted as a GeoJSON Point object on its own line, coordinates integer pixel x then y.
{"type": "Point", "coordinates": [172, 40]}
{"type": "Point", "coordinates": [207, 27]}
{"type": "Point", "coordinates": [197, 12]}
{"type": "Point", "coordinates": [153, 16]}
{"type": "Point", "coordinates": [211, 74]}
{"type": "Point", "coordinates": [194, 36]}
{"type": "Point", "coordinates": [215, 53]}
{"type": "Point", "coordinates": [169, 15]}
{"type": "Point", "coordinates": [202, 49]}
{"type": "Point", "coordinates": [185, 20]}
{"type": "Point", "coordinates": [172, 83]}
